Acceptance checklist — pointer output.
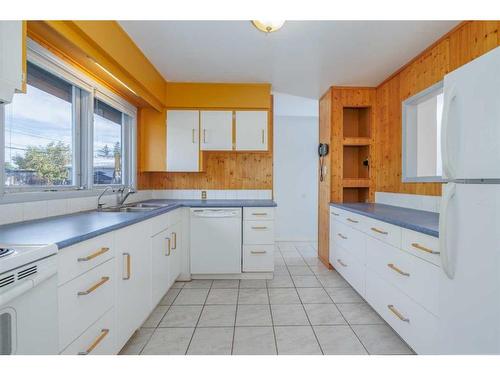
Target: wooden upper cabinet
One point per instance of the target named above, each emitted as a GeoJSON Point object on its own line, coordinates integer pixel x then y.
{"type": "Point", "coordinates": [251, 130]}
{"type": "Point", "coordinates": [183, 141]}
{"type": "Point", "coordinates": [216, 130]}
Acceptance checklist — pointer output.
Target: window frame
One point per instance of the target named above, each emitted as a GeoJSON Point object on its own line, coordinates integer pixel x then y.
{"type": "Point", "coordinates": [85, 90]}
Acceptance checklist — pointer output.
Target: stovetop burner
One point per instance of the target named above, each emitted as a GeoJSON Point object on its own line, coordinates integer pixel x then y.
{"type": "Point", "coordinates": [4, 252]}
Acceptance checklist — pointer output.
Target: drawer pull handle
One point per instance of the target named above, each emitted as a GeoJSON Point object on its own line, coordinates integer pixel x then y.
{"type": "Point", "coordinates": [352, 220]}
{"type": "Point", "coordinates": [262, 138]}
{"type": "Point", "coordinates": [101, 251]}
{"type": "Point", "coordinates": [393, 267]}
{"type": "Point", "coordinates": [94, 287]}
{"type": "Point", "coordinates": [259, 227]}
{"type": "Point", "coordinates": [342, 236]}
{"type": "Point", "coordinates": [169, 246]}
{"type": "Point", "coordinates": [259, 214]}
{"type": "Point", "coordinates": [335, 214]}
{"type": "Point", "coordinates": [420, 247]}
{"type": "Point", "coordinates": [397, 313]}
{"type": "Point", "coordinates": [174, 240]}
{"type": "Point", "coordinates": [97, 341]}
{"type": "Point", "coordinates": [341, 263]}
{"type": "Point", "coordinates": [379, 231]}
{"type": "Point", "coordinates": [128, 265]}
{"type": "Point", "coordinates": [258, 251]}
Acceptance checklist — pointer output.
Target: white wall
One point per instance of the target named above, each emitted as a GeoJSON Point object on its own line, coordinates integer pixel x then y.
{"type": "Point", "coordinates": [296, 127]}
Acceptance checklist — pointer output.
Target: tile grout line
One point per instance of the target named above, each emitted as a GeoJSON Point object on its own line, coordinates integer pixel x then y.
{"type": "Point", "coordinates": [307, 316]}
{"type": "Point", "coordinates": [199, 317]}
{"type": "Point", "coordinates": [272, 319]}
{"type": "Point", "coordinates": [235, 317]}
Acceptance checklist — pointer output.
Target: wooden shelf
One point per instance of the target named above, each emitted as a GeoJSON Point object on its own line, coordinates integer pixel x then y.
{"type": "Point", "coordinates": [357, 141]}
{"type": "Point", "coordinates": [356, 182]}
{"type": "Point", "coordinates": [355, 195]}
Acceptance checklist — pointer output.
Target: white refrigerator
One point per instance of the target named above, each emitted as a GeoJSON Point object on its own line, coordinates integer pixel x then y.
{"type": "Point", "coordinates": [469, 223]}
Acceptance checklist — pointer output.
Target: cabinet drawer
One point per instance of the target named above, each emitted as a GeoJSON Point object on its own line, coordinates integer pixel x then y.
{"type": "Point", "coordinates": [350, 268]}
{"type": "Point", "coordinates": [83, 300]}
{"type": "Point", "coordinates": [78, 259]}
{"type": "Point", "coordinates": [258, 232]}
{"type": "Point", "coordinates": [421, 245]}
{"type": "Point", "coordinates": [415, 277]}
{"type": "Point", "coordinates": [258, 258]}
{"type": "Point", "coordinates": [386, 232]}
{"type": "Point", "coordinates": [413, 323]}
{"type": "Point", "coordinates": [258, 213]}
{"type": "Point", "coordinates": [350, 239]}
{"type": "Point", "coordinates": [99, 338]}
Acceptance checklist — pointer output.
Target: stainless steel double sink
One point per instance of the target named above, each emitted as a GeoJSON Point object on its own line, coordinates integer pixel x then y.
{"type": "Point", "coordinates": [135, 207]}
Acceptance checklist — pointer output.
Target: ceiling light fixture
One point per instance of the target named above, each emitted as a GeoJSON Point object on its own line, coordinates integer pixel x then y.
{"type": "Point", "coordinates": [268, 26]}
{"type": "Point", "coordinates": [112, 75]}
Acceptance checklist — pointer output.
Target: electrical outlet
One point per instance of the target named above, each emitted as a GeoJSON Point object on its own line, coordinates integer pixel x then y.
{"type": "Point", "coordinates": [203, 194]}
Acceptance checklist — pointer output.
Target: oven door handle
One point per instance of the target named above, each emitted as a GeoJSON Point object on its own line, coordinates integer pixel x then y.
{"type": "Point", "coordinates": [23, 287]}
{"type": "Point", "coordinates": [16, 291]}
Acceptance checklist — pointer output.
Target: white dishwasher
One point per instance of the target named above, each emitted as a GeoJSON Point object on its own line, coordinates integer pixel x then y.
{"type": "Point", "coordinates": [215, 241]}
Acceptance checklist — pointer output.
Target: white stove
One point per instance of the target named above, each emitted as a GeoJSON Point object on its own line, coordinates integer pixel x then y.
{"type": "Point", "coordinates": [28, 299]}
{"type": "Point", "coordinates": [17, 255]}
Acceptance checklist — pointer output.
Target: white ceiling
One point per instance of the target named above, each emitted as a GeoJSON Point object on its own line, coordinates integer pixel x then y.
{"type": "Point", "coordinates": [304, 58]}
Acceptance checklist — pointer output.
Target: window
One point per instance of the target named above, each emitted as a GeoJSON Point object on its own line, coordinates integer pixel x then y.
{"type": "Point", "coordinates": [422, 135]}
{"type": "Point", "coordinates": [39, 131]}
{"type": "Point", "coordinates": [108, 144]}
{"type": "Point", "coordinates": [66, 132]}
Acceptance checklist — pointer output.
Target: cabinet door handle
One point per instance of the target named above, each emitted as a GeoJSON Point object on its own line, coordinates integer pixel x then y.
{"type": "Point", "coordinates": [204, 135]}
{"type": "Point", "coordinates": [169, 246]}
{"type": "Point", "coordinates": [263, 134]}
{"type": "Point", "coordinates": [259, 214]}
{"type": "Point", "coordinates": [341, 263]}
{"type": "Point", "coordinates": [97, 341]}
{"type": "Point", "coordinates": [192, 135]}
{"type": "Point", "coordinates": [422, 248]}
{"type": "Point", "coordinates": [393, 267]}
{"type": "Point", "coordinates": [335, 214]}
{"type": "Point", "coordinates": [101, 251]}
{"type": "Point", "coordinates": [94, 287]}
{"type": "Point", "coordinates": [174, 240]}
{"type": "Point", "coordinates": [259, 227]}
{"type": "Point", "coordinates": [397, 313]}
{"type": "Point", "coordinates": [258, 251]}
{"type": "Point", "coordinates": [352, 220]}
{"type": "Point", "coordinates": [128, 266]}
{"type": "Point", "coordinates": [342, 236]}
{"type": "Point", "coordinates": [376, 230]}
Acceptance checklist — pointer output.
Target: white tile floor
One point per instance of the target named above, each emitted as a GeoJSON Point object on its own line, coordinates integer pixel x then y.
{"type": "Point", "coordinates": [305, 309]}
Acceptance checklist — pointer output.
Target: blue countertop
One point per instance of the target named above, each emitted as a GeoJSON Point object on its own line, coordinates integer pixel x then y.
{"type": "Point", "coordinates": [420, 221]}
{"type": "Point", "coordinates": [67, 230]}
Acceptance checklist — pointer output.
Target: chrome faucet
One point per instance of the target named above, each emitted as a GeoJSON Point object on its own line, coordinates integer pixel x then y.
{"type": "Point", "coordinates": [99, 204]}
{"type": "Point", "coordinates": [121, 198]}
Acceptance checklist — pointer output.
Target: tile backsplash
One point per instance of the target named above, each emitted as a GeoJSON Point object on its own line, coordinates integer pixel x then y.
{"type": "Point", "coordinates": [417, 202]}
{"type": "Point", "coordinates": [213, 194]}
{"type": "Point", "coordinates": [23, 211]}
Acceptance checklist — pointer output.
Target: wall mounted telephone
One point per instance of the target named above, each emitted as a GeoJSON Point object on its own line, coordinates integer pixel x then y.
{"type": "Point", "coordinates": [323, 150]}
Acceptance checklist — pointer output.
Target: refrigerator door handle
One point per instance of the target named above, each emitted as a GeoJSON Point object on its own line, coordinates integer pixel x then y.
{"type": "Point", "coordinates": [443, 220]}
{"type": "Point", "coordinates": [448, 169]}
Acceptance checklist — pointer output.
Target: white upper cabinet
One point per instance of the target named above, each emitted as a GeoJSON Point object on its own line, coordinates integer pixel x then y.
{"type": "Point", "coordinates": [11, 59]}
{"type": "Point", "coordinates": [216, 130]}
{"type": "Point", "coordinates": [183, 141]}
{"type": "Point", "coordinates": [251, 130]}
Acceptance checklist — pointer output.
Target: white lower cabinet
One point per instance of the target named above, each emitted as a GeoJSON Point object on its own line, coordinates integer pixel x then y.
{"type": "Point", "coordinates": [387, 267]}
{"type": "Point", "coordinates": [99, 338]}
{"type": "Point", "coordinates": [161, 259]}
{"type": "Point", "coordinates": [108, 285]}
{"type": "Point", "coordinates": [134, 285]}
{"type": "Point", "coordinates": [175, 255]}
{"type": "Point", "coordinates": [258, 239]}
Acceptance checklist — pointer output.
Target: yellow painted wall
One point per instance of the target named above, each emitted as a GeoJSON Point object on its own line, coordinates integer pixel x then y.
{"type": "Point", "coordinates": [218, 95]}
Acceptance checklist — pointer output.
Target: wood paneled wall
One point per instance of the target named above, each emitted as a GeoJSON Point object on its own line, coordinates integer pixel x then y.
{"type": "Point", "coordinates": [469, 40]}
